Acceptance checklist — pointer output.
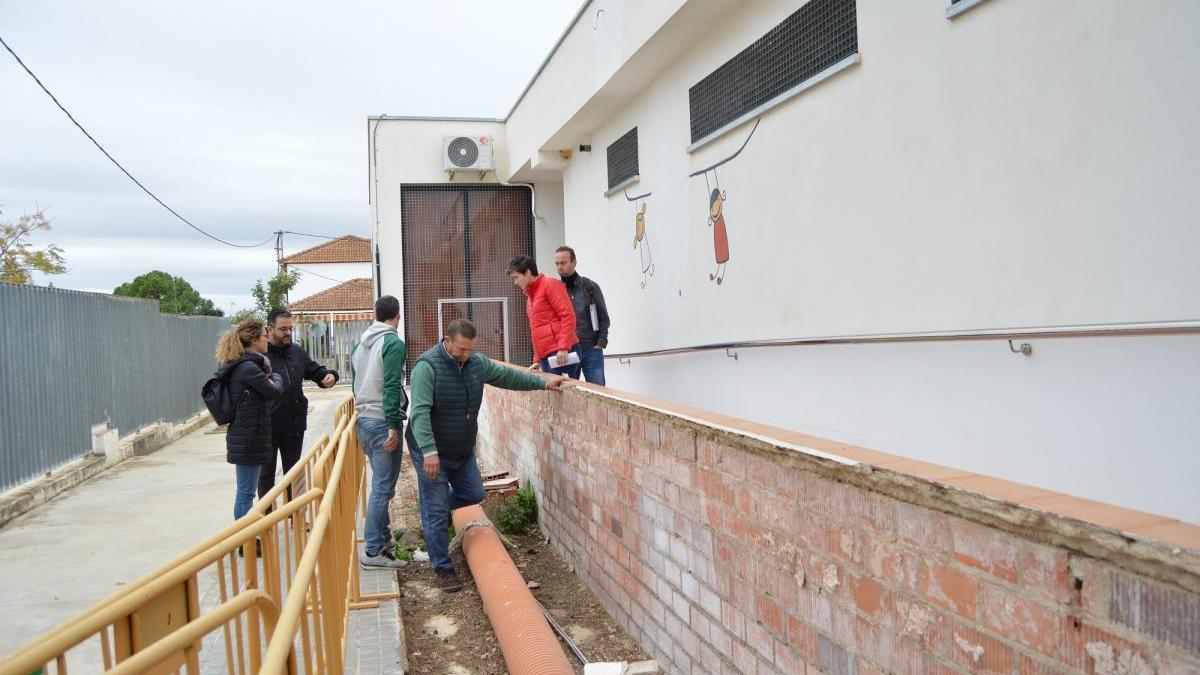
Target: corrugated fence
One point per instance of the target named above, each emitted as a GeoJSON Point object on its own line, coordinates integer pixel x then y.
{"type": "Point", "coordinates": [72, 360]}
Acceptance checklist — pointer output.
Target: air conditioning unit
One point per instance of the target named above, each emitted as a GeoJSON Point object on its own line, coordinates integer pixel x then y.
{"type": "Point", "coordinates": [467, 153]}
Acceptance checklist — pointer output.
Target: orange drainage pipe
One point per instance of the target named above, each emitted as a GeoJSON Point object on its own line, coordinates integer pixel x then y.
{"type": "Point", "coordinates": [528, 644]}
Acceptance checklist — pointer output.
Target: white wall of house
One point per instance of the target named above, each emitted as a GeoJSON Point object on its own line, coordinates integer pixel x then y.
{"type": "Point", "coordinates": [311, 284]}
{"type": "Point", "coordinates": [410, 151]}
{"type": "Point", "coordinates": [1024, 165]}
{"type": "Point", "coordinates": [1109, 419]}
{"type": "Point", "coordinates": [966, 175]}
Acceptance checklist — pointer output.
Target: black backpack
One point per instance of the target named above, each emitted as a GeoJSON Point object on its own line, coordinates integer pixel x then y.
{"type": "Point", "coordinates": [218, 400]}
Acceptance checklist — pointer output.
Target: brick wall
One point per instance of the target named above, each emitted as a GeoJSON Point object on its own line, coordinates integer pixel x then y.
{"type": "Point", "coordinates": [722, 553]}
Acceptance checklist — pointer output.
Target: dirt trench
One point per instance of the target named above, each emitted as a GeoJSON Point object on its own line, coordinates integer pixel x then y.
{"type": "Point", "coordinates": [449, 633]}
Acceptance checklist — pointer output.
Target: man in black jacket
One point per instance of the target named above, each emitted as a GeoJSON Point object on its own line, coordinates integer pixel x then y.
{"type": "Point", "coordinates": [591, 315]}
{"type": "Point", "coordinates": [290, 418]}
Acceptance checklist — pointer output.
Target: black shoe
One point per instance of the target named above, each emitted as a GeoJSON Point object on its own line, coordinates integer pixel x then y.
{"type": "Point", "coordinates": [448, 581]}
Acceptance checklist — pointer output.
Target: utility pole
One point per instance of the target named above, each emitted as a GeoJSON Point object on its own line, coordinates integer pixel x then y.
{"type": "Point", "coordinates": [279, 249]}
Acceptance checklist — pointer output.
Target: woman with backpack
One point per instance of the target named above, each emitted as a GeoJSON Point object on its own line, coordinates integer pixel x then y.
{"type": "Point", "coordinates": [253, 389]}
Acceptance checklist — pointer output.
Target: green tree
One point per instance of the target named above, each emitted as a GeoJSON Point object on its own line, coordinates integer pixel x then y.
{"type": "Point", "coordinates": [274, 294]}
{"type": "Point", "coordinates": [174, 294]}
{"type": "Point", "coordinates": [243, 314]}
{"type": "Point", "coordinates": [18, 259]}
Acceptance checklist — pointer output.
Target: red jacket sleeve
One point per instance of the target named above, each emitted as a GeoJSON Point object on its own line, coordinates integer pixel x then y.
{"type": "Point", "coordinates": [561, 302]}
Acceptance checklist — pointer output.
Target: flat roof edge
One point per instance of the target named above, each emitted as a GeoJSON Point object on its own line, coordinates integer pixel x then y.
{"type": "Point", "coordinates": [582, 8]}
{"type": "Point", "coordinates": [421, 118]}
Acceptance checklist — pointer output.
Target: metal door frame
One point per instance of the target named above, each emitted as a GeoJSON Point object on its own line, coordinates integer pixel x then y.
{"type": "Point", "coordinates": [503, 315]}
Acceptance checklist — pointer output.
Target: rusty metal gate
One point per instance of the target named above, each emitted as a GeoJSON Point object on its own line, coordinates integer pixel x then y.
{"type": "Point", "coordinates": [330, 338]}
{"type": "Point", "coordinates": [458, 242]}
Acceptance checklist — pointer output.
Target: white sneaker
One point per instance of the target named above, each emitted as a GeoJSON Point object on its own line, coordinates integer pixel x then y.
{"type": "Point", "coordinates": [382, 560]}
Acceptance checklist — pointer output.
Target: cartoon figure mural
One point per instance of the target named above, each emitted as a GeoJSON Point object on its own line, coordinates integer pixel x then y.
{"type": "Point", "coordinates": [716, 220]}
{"type": "Point", "coordinates": [716, 211]}
{"type": "Point", "coordinates": [641, 240]}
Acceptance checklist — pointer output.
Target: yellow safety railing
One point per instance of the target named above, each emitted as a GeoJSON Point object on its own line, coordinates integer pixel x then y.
{"type": "Point", "coordinates": [220, 596]}
{"type": "Point", "coordinates": [163, 655]}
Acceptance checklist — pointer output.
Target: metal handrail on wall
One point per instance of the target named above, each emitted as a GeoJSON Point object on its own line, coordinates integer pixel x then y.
{"type": "Point", "coordinates": [297, 597]}
{"type": "Point", "coordinates": [1106, 330]}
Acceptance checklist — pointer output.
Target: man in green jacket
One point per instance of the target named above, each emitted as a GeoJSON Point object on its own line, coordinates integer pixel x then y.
{"type": "Point", "coordinates": [447, 391]}
{"type": "Point", "coordinates": [379, 399]}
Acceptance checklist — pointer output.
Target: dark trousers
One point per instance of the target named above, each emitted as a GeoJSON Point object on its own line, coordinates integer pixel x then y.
{"type": "Point", "coordinates": [287, 447]}
{"type": "Point", "coordinates": [592, 362]}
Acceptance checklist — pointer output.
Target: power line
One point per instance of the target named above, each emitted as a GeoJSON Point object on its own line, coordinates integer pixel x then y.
{"type": "Point", "coordinates": [304, 234]}
{"type": "Point", "coordinates": [118, 164]}
{"type": "Point", "coordinates": [301, 269]}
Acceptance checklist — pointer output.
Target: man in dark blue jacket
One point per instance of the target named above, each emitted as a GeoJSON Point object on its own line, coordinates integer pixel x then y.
{"type": "Point", "coordinates": [290, 418]}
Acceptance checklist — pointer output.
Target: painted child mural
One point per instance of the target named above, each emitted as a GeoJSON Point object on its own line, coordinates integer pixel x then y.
{"type": "Point", "coordinates": [642, 243]}
{"type": "Point", "coordinates": [641, 240]}
{"type": "Point", "coordinates": [716, 220]}
{"type": "Point", "coordinates": [716, 210]}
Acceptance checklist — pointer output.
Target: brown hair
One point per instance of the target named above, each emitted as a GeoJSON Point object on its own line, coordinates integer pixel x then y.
{"type": "Point", "coordinates": [461, 327]}
{"type": "Point", "coordinates": [233, 342]}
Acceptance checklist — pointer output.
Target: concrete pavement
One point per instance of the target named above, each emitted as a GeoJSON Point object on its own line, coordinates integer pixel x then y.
{"type": "Point", "coordinates": [65, 555]}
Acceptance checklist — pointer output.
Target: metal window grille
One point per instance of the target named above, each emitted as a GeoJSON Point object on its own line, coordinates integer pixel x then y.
{"type": "Point", "coordinates": [458, 242]}
{"type": "Point", "coordinates": [623, 158]}
{"type": "Point", "coordinates": [817, 36]}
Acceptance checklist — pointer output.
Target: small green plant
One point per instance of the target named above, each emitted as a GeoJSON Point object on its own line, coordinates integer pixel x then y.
{"type": "Point", "coordinates": [398, 548]}
{"type": "Point", "coordinates": [518, 513]}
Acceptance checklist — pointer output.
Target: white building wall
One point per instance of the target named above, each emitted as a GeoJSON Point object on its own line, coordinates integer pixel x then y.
{"type": "Point", "coordinates": [409, 151]}
{"type": "Point", "coordinates": [311, 284]}
{"type": "Point", "coordinates": [606, 35]}
{"type": "Point", "coordinates": [1109, 419]}
{"type": "Point", "coordinates": [929, 188]}
{"type": "Point", "coordinates": [1024, 165]}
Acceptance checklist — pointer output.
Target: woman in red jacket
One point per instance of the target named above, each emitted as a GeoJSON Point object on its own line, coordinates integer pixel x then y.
{"type": "Point", "coordinates": [551, 318]}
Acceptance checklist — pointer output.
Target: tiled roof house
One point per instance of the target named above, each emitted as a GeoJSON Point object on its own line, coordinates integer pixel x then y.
{"type": "Point", "coordinates": [352, 295]}
{"type": "Point", "coordinates": [334, 276]}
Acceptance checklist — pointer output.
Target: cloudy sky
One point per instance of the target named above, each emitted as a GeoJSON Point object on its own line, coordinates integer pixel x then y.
{"type": "Point", "coordinates": [246, 117]}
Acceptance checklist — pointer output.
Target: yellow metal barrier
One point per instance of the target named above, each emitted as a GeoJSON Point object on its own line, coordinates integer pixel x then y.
{"type": "Point", "coordinates": [326, 587]}
{"type": "Point", "coordinates": [166, 654]}
{"type": "Point", "coordinates": [158, 606]}
{"type": "Point", "coordinates": [298, 595]}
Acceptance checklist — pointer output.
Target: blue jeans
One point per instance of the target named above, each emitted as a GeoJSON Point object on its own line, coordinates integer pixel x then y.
{"type": "Point", "coordinates": [592, 362]}
{"type": "Point", "coordinates": [458, 484]}
{"type": "Point", "coordinates": [385, 468]}
{"type": "Point", "coordinates": [247, 483]}
{"type": "Point", "coordinates": [571, 371]}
